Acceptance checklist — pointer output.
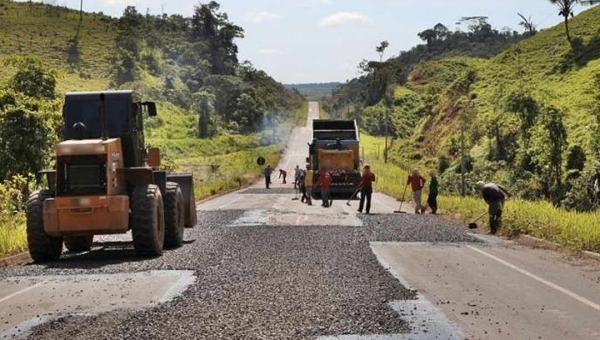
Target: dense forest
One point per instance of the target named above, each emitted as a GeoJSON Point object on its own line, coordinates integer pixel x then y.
{"type": "Point", "coordinates": [527, 104]}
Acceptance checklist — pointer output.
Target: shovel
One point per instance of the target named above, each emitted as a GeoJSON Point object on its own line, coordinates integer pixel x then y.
{"type": "Point", "coordinates": [399, 211]}
{"type": "Point", "coordinates": [473, 225]}
{"type": "Point", "coordinates": [295, 196]}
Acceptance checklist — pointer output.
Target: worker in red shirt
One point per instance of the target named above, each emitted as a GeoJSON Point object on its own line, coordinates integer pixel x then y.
{"type": "Point", "coordinates": [417, 182]}
{"type": "Point", "coordinates": [283, 173]}
{"type": "Point", "coordinates": [324, 182]}
{"type": "Point", "coordinates": [366, 189]}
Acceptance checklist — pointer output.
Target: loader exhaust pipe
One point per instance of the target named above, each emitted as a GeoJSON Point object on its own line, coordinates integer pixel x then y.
{"type": "Point", "coordinates": [103, 117]}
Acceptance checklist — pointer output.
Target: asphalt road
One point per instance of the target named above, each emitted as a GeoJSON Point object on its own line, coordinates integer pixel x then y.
{"type": "Point", "coordinates": [261, 265]}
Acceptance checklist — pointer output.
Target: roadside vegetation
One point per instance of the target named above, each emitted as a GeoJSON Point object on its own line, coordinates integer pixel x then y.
{"type": "Point", "coordinates": [216, 115]}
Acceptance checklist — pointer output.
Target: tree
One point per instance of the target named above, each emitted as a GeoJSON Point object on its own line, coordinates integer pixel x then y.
{"type": "Point", "coordinates": [528, 25]}
{"type": "Point", "coordinates": [428, 36]}
{"type": "Point", "coordinates": [24, 142]}
{"type": "Point", "coordinates": [32, 79]}
{"type": "Point", "coordinates": [381, 49]}
{"type": "Point", "coordinates": [549, 141]}
{"type": "Point", "coordinates": [566, 8]}
{"type": "Point", "coordinates": [214, 28]}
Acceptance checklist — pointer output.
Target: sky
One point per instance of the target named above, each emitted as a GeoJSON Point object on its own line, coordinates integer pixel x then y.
{"type": "Point", "coordinates": [305, 41]}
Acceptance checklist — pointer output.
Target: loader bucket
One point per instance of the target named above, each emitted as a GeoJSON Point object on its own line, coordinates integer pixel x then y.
{"type": "Point", "coordinates": [186, 183]}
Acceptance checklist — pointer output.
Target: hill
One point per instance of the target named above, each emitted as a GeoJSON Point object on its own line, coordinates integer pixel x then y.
{"type": "Point", "coordinates": [529, 113]}
{"type": "Point", "coordinates": [24, 31]}
{"type": "Point", "coordinates": [314, 91]}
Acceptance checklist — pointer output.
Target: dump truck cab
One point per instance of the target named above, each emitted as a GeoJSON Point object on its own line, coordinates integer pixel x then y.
{"type": "Point", "coordinates": [335, 148]}
{"type": "Point", "coordinates": [107, 182]}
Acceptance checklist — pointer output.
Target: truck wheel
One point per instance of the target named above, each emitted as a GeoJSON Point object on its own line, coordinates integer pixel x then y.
{"type": "Point", "coordinates": [42, 247]}
{"type": "Point", "coordinates": [147, 220]}
{"type": "Point", "coordinates": [79, 243]}
{"type": "Point", "coordinates": [174, 216]}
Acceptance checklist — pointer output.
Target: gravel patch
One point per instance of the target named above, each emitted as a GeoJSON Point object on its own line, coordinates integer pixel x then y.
{"type": "Point", "coordinates": [413, 228]}
{"type": "Point", "coordinates": [252, 283]}
{"type": "Point", "coordinates": [265, 191]}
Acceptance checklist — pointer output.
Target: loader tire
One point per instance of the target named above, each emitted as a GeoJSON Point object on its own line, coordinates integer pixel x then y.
{"type": "Point", "coordinates": [79, 243]}
{"type": "Point", "coordinates": [147, 220]}
{"type": "Point", "coordinates": [174, 216]}
{"type": "Point", "coordinates": [42, 247]}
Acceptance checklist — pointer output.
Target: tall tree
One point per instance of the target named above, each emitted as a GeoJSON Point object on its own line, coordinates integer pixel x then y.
{"type": "Point", "coordinates": [381, 49]}
{"type": "Point", "coordinates": [214, 28]}
{"type": "Point", "coordinates": [566, 9]}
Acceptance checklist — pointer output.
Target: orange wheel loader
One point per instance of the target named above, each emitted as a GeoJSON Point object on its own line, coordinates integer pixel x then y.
{"type": "Point", "coordinates": [107, 182]}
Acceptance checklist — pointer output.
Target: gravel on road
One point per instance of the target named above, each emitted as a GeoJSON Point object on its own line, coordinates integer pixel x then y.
{"type": "Point", "coordinates": [265, 191]}
{"type": "Point", "coordinates": [413, 228]}
{"type": "Point", "coordinates": [256, 282]}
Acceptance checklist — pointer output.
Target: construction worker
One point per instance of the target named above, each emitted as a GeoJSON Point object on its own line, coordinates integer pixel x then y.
{"type": "Point", "coordinates": [302, 187]}
{"type": "Point", "coordinates": [433, 192]}
{"type": "Point", "coordinates": [366, 189]}
{"type": "Point", "coordinates": [283, 173]}
{"type": "Point", "coordinates": [324, 182]}
{"type": "Point", "coordinates": [417, 183]}
{"type": "Point", "coordinates": [268, 172]}
{"type": "Point", "coordinates": [297, 173]}
{"type": "Point", "coordinates": [494, 195]}
{"type": "Point", "coordinates": [309, 176]}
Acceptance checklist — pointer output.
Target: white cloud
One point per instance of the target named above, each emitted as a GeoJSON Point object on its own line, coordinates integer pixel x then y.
{"type": "Point", "coordinates": [262, 16]}
{"type": "Point", "coordinates": [343, 18]}
{"type": "Point", "coordinates": [270, 51]}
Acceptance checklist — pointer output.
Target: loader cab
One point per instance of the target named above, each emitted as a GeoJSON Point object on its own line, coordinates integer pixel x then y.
{"type": "Point", "coordinates": [120, 115]}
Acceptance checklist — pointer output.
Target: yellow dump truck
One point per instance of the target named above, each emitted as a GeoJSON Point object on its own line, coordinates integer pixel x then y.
{"type": "Point", "coordinates": [335, 148]}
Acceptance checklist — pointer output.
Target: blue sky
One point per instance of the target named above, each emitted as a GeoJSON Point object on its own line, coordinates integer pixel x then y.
{"type": "Point", "coordinates": [299, 41]}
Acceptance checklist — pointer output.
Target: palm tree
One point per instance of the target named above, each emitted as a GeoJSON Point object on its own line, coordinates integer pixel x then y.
{"type": "Point", "coordinates": [566, 9]}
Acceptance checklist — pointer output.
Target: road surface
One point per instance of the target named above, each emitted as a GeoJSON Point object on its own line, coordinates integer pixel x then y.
{"type": "Point", "coordinates": [261, 265]}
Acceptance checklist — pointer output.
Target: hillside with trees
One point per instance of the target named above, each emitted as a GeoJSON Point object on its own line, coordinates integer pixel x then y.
{"type": "Point", "coordinates": [528, 104]}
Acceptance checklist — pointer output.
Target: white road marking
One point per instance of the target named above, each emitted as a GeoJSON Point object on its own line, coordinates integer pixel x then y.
{"type": "Point", "coordinates": [26, 289]}
{"type": "Point", "coordinates": [539, 279]}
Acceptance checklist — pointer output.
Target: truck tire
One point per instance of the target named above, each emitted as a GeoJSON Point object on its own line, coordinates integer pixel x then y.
{"type": "Point", "coordinates": [79, 243]}
{"type": "Point", "coordinates": [42, 247]}
{"type": "Point", "coordinates": [174, 216]}
{"type": "Point", "coordinates": [147, 220]}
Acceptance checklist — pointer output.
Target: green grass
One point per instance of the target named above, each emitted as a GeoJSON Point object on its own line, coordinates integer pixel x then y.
{"type": "Point", "coordinates": [13, 236]}
{"type": "Point", "coordinates": [214, 174]}
{"type": "Point", "coordinates": [574, 231]}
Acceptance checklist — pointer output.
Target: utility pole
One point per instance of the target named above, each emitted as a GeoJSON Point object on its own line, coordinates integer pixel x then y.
{"type": "Point", "coordinates": [385, 151]}
{"type": "Point", "coordinates": [462, 158]}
